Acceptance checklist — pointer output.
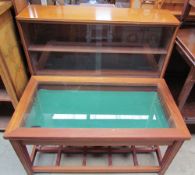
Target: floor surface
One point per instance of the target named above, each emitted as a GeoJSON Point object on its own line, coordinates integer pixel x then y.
{"type": "Point", "coordinates": [183, 164]}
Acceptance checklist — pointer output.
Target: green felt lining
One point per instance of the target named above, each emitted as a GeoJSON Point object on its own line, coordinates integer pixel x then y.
{"type": "Point", "coordinates": [135, 104]}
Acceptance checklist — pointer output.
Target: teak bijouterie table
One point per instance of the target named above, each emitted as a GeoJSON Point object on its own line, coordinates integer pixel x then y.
{"type": "Point", "coordinates": [88, 115]}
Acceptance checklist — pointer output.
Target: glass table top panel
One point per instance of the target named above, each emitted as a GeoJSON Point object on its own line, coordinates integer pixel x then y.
{"type": "Point", "coordinates": [78, 108]}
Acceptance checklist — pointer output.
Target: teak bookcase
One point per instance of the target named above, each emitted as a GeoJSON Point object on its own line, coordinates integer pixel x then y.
{"type": "Point", "coordinates": [96, 41]}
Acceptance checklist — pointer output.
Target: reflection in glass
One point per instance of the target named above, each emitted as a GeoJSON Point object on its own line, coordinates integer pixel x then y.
{"type": "Point", "coordinates": [76, 108]}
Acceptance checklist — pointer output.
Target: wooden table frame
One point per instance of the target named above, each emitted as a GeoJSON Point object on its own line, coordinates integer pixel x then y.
{"type": "Point", "coordinates": [21, 137]}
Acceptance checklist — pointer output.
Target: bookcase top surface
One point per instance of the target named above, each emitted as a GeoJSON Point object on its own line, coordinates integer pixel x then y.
{"type": "Point", "coordinates": [88, 14]}
{"type": "Point", "coordinates": [4, 6]}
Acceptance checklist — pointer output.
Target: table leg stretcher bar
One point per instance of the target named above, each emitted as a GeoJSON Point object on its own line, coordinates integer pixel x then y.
{"type": "Point", "coordinates": [59, 150]}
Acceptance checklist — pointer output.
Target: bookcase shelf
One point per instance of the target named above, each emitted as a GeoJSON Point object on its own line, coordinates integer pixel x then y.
{"type": "Point", "coordinates": [6, 106]}
{"type": "Point", "coordinates": [57, 47]}
{"type": "Point", "coordinates": [100, 73]}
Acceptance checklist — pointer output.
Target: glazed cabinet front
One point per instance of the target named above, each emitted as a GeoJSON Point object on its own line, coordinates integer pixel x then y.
{"type": "Point", "coordinates": [97, 49]}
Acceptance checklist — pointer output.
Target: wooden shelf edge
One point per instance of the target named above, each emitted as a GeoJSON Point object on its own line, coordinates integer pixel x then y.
{"type": "Point", "coordinates": [190, 120]}
{"type": "Point", "coordinates": [100, 73]}
{"type": "Point", "coordinates": [4, 120]}
{"type": "Point", "coordinates": [178, 13]}
{"type": "Point", "coordinates": [4, 96]}
{"type": "Point", "coordinates": [95, 49]}
{"type": "Point", "coordinates": [188, 112]}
